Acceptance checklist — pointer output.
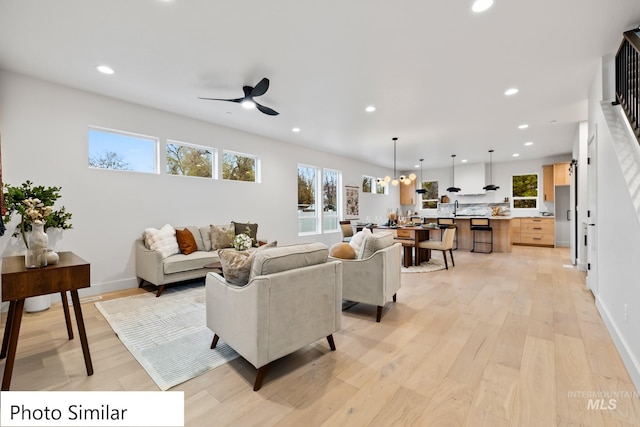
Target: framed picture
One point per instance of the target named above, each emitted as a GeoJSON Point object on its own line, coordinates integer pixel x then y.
{"type": "Point", "coordinates": [352, 203]}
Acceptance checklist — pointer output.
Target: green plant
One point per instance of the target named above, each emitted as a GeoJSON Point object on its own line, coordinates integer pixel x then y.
{"type": "Point", "coordinates": [34, 203]}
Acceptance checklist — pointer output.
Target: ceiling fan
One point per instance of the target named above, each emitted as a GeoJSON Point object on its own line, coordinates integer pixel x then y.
{"type": "Point", "coordinates": [249, 93]}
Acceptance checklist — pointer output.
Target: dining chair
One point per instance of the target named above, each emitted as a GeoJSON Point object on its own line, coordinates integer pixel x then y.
{"type": "Point", "coordinates": [445, 245]}
{"type": "Point", "coordinates": [347, 230]}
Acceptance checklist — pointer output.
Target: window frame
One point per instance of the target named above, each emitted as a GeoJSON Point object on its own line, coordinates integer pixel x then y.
{"type": "Point", "coordinates": [422, 196]}
{"type": "Point", "coordinates": [338, 186]}
{"type": "Point", "coordinates": [214, 158]}
{"type": "Point", "coordinates": [515, 198]}
{"type": "Point", "coordinates": [257, 166]}
{"type": "Point", "coordinates": [150, 138]}
{"type": "Point", "coordinates": [316, 217]}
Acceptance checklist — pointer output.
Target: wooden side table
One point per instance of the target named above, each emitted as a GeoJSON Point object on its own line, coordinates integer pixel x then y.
{"type": "Point", "coordinates": [69, 274]}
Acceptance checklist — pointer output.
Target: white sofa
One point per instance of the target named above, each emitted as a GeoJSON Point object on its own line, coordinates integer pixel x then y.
{"type": "Point", "coordinates": [293, 298]}
{"type": "Point", "coordinates": [151, 267]}
{"type": "Point", "coordinates": [374, 277]}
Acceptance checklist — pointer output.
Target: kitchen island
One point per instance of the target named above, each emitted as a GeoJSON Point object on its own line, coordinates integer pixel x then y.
{"type": "Point", "coordinates": [501, 232]}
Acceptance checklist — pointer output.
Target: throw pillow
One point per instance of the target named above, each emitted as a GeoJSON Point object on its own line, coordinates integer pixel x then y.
{"type": "Point", "coordinates": [163, 240]}
{"type": "Point", "coordinates": [358, 239]}
{"type": "Point", "coordinates": [373, 243]}
{"type": "Point", "coordinates": [342, 250]}
{"type": "Point", "coordinates": [246, 228]}
{"type": "Point", "coordinates": [236, 265]}
{"type": "Point", "coordinates": [220, 237]}
{"type": "Point", "coordinates": [186, 241]}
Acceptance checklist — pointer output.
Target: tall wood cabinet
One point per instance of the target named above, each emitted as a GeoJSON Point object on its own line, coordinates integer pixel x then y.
{"type": "Point", "coordinates": [561, 174]}
{"type": "Point", "coordinates": [408, 193]}
{"type": "Point", "coordinates": [548, 183]}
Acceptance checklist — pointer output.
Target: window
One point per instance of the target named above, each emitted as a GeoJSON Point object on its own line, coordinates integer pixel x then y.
{"type": "Point", "coordinates": [430, 198]}
{"type": "Point", "coordinates": [190, 160]}
{"type": "Point", "coordinates": [371, 185]}
{"type": "Point", "coordinates": [118, 150]}
{"type": "Point", "coordinates": [525, 191]}
{"type": "Point", "coordinates": [330, 185]}
{"type": "Point", "coordinates": [240, 167]}
{"type": "Point", "coordinates": [307, 206]}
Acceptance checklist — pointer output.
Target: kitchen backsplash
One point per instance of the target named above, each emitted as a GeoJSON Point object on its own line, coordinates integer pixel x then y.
{"type": "Point", "coordinates": [473, 209]}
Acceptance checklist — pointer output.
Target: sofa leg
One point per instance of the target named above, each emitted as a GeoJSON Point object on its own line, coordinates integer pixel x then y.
{"type": "Point", "coordinates": [140, 282]}
{"type": "Point", "coordinates": [160, 289]}
{"type": "Point", "coordinates": [394, 297]}
{"type": "Point", "coordinates": [214, 343]}
{"type": "Point", "coordinates": [259, 377]}
{"type": "Point", "coordinates": [379, 314]}
{"type": "Point", "coordinates": [332, 344]}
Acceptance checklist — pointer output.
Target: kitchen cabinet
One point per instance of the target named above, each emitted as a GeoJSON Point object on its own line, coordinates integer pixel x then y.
{"type": "Point", "coordinates": [548, 182]}
{"type": "Point", "coordinates": [515, 230]}
{"type": "Point", "coordinates": [561, 174]}
{"type": "Point", "coordinates": [408, 193]}
{"type": "Point", "coordinates": [537, 232]}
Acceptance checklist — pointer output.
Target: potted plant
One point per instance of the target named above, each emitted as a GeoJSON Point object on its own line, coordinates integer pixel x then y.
{"type": "Point", "coordinates": [34, 206]}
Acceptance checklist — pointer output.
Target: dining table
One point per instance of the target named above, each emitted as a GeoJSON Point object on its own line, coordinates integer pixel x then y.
{"type": "Point", "coordinates": [418, 234]}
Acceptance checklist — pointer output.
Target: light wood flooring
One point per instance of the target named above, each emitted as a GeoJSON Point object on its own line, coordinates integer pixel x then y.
{"type": "Point", "coordinates": [498, 340]}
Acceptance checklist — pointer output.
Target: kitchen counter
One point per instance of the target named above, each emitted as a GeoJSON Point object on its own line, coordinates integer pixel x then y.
{"type": "Point", "coordinates": [501, 232]}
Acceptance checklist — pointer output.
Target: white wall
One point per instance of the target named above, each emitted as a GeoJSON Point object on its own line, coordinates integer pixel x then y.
{"type": "Point", "coordinates": [44, 139]}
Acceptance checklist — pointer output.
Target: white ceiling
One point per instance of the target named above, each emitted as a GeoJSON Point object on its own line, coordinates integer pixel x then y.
{"type": "Point", "coordinates": [435, 71]}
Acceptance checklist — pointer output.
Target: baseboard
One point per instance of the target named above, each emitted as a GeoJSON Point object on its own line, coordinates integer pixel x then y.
{"type": "Point", "coordinates": [630, 362]}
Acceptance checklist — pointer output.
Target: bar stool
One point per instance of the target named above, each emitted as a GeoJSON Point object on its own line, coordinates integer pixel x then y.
{"type": "Point", "coordinates": [443, 224]}
{"type": "Point", "coordinates": [480, 225]}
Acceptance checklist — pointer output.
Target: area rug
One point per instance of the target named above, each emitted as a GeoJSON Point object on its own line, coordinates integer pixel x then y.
{"type": "Point", "coordinates": [425, 267]}
{"type": "Point", "coordinates": [168, 335]}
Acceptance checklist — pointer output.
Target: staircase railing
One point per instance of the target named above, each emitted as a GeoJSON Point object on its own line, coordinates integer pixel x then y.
{"type": "Point", "coordinates": [628, 78]}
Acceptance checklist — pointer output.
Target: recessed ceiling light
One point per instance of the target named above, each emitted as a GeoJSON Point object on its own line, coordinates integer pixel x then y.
{"type": "Point", "coordinates": [481, 5]}
{"type": "Point", "coordinates": [370, 109]}
{"type": "Point", "coordinates": [523, 126]}
{"type": "Point", "coordinates": [104, 69]}
{"type": "Point", "coordinates": [511, 91]}
{"type": "Point", "coordinates": [528, 143]}
{"type": "Point", "coordinates": [515, 154]}
{"type": "Point", "coordinates": [464, 161]}
{"type": "Point", "coordinates": [295, 130]}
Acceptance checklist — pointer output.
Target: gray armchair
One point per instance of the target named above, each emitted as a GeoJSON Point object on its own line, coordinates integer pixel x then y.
{"type": "Point", "coordinates": [373, 278]}
{"type": "Point", "coordinates": [293, 298]}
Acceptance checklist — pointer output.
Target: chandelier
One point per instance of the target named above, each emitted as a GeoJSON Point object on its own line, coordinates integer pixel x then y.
{"type": "Point", "coordinates": [400, 179]}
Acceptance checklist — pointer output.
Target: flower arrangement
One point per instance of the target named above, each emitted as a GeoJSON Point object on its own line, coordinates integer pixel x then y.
{"type": "Point", "coordinates": [34, 204]}
{"type": "Point", "coordinates": [242, 242]}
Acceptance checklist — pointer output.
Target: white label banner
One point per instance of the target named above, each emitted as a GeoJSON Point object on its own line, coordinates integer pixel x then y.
{"type": "Point", "coordinates": [92, 408]}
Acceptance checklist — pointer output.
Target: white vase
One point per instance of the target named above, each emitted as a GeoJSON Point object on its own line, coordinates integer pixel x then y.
{"type": "Point", "coordinates": [37, 243]}
{"type": "Point", "coordinates": [39, 303]}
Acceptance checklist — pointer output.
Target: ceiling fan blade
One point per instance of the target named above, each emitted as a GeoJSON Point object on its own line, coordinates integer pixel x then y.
{"type": "Point", "coordinates": [266, 110]}
{"type": "Point", "coordinates": [261, 87]}
{"type": "Point", "coordinates": [218, 99]}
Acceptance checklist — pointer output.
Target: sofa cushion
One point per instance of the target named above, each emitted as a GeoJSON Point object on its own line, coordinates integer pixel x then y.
{"type": "Point", "coordinates": [342, 250]}
{"type": "Point", "coordinates": [246, 228]}
{"type": "Point", "coordinates": [288, 257]}
{"type": "Point", "coordinates": [358, 239]}
{"type": "Point", "coordinates": [205, 233]}
{"type": "Point", "coordinates": [220, 237]}
{"type": "Point", "coordinates": [195, 231]}
{"type": "Point", "coordinates": [186, 241]}
{"type": "Point", "coordinates": [236, 265]}
{"type": "Point", "coordinates": [194, 261]}
{"type": "Point", "coordinates": [163, 240]}
{"type": "Point", "coordinates": [374, 242]}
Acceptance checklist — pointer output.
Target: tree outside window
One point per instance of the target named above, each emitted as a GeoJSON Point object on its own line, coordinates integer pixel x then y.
{"type": "Point", "coordinates": [307, 206]}
{"type": "Point", "coordinates": [330, 182]}
{"type": "Point", "coordinates": [367, 184]}
{"type": "Point", "coordinates": [525, 191]}
{"type": "Point", "coordinates": [122, 151]}
{"type": "Point", "coordinates": [189, 160]}
{"type": "Point", "coordinates": [239, 167]}
{"type": "Point", "coordinates": [430, 198]}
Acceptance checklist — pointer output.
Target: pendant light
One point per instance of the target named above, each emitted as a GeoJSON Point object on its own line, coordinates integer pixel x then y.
{"type": "Point", "coordinates": [421, 190]}
{"type": "Point", "coordinates": [490, 187]}
{"type": "Point", "coordinates": [453, 188]}
{"type": "Point", "coordinates": [399, 180]}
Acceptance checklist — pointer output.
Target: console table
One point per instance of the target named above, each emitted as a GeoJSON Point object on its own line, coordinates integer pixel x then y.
{"type": "Point", "coordinates": [69, 274]}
